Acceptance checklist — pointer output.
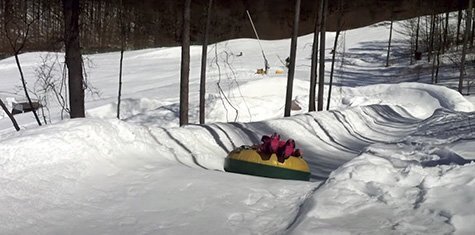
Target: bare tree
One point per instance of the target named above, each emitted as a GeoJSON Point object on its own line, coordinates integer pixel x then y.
{"type": "Point", "coordinates": [293, 53]}
{"type": "Point", "coordinates": [417, 53]}
{"type": "Point", "coordinates": [204, 57]}
{"type": "Point", "coordinates": [185, 63]}
{"type": "Point", "coordinates": [313, 68]}
{"type": "Point", "coordinates": [321, 75]}
{"type": "Point", "coordinates": [73, 56]}
{"type": "Point", "coordinates": [473, 29]}
{"type": "Point", "coordinates": [446, 33]}
{"type": "Point", "coordinates": [123, 41]}
{"type": "Point", "coordinates": [9, 114]}
{"type": "Point", "coordinates": [389, 42]}
{"type": "Point", "coordinates": [431, 36]}
{"type": "Point", "coordinates": [468, 23]}
{"type": "Point", "coordinates": [17, 29]}
{"type": "Point", "coordinates": [459, 22]}
{"type": "Point", "coordinates": [335, 44]}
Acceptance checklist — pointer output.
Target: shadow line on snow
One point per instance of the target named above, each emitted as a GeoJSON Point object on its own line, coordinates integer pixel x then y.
{"type": "Point", "coordinates": [216, 137]}
{"type": "Point", "coordinates": [193, 157]}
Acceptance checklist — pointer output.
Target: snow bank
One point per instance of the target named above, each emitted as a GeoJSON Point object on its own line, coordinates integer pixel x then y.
{"type": "Point", "coordinates": [416, 185]}
{"type": "Point", "coordinates": [420, 100]}
{"type": "Point", "coordinates": [390, 172]}
{"type": "Point", "coordinates": [107, 176]}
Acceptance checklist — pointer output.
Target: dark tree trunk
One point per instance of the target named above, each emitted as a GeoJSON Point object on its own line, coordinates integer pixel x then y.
{"type": "Point", "coordinates": [122, 48]}
{"type": "Point", "coordinates": [23, 82]}
{"type": "Point", "coordinates": [73, 58]}
{"type": "Point", "coordinates": [431, 39]}
{"type": "Point", "coordinates": [321, 75]}
{"type": "Point", "coordinates": [204, 57]}
{"type": "Point", "coordinates": [335, 44]}
{"type": "Point", "coordinates": [313, 69]}
{"type": "Point", "coordinates": [389, 43]}
{"type": "Point", "coordinates": [5, 109]}
{"type": "Point", "coordinates": [459, 22]}
{"type": "Point", "coordinates": [473, 31]}
{"type": "Point", "coordinates": [293, 53]}
{"type": "Point", "coordinates": [468, 23]}
{"type": "Point", "coordinates": [17, 41]}
{"type": "Point", "coordinates": [446, 32]}
{"type": "Point", "coordinates": [185, 63]}
{"type": "Point", "coordinates": [435, 19]}
{"type": "Point", "coordinates": [417, 34]}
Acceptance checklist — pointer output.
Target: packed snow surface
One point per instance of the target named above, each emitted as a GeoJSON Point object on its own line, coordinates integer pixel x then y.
{"type": "Point", "coordinates": [385, 159]}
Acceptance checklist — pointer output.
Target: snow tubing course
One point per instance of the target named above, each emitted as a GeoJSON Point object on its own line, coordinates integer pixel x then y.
{"type": "Point", "coordinates": [249, 161]}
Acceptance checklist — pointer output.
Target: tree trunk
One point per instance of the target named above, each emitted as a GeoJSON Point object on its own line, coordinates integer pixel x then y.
{"type": "Point", "coordinates": [417, 34]}
{"type": "Point", "coordinates": [293, 53]}
{"type": "Point", "coordinates": [459, 22]}
{"type": "Point", "coordinates": [9, 114]}
{"type": "Point", "coordinates": [473, 30]}
{"type": "Point", "coordinates": [23, 82]}
{"type": "Point", "coordinates": [433, 80]}
{"type": "Point", "coordinates": [389, 43]}
{"type": "Point", "coordinates": [321, 71]}
{"type": "Point", "coordinates": [204, 57]}
{"type": "Point", "coordinates": [468, 23]}
{"type": "Point", "coordinates": [122, 48]}
{"type": "Point", "coordinates": [431, 35]}
{"type": "Point", "coordinates": [335, 44]}
{"type": "Point", "coordinates": [73, 58]}
{"type": "Point", "coordinates": [446, 32]}
{"type": "Point", "coordinates": [185, 63]}
{"type": "Point", "coordinates": [313, 69]}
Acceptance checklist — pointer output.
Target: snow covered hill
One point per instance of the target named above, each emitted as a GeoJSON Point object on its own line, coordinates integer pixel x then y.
{"type": "Point", "coordinates": [390, 157]}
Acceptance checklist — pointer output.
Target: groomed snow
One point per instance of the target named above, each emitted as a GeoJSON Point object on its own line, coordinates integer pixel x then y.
{"type": "Point", "coordinates": [386, 159]}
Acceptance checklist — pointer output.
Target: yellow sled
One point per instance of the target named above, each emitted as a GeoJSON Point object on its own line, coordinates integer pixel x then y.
{"type": "Point", "coordinates": [248, 161]}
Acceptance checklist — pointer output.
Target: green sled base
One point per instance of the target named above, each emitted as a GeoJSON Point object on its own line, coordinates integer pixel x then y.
{"type": "Point", "coordinates": [249, 168]}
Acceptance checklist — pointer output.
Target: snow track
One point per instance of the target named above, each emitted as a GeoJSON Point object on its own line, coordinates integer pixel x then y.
{"type": "Point", "coordinates": [78, 165]}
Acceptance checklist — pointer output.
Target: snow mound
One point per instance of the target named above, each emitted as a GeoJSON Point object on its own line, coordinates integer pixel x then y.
{"type": "Point", "coordinates": [107, 176]}
{"type": "Point", "coordinates": [421, 100]}
{"type": "Point", "coordinates": [406, 186]}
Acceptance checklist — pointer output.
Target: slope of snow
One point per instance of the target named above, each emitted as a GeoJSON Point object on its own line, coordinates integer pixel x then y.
{"type": "Point", "coordinates": [415, 185]}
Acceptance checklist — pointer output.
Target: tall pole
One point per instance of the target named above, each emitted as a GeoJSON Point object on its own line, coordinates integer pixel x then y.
{"type": "Point", "coordinates": [266, 63]}
{"type": "Point", "coordinates": [293, 53]}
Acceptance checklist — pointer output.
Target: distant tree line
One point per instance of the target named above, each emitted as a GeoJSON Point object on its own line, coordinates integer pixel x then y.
{"type": "Point", "coordinates": [100, 24]}
{"type": "Point", "coordinates": [152, 23]}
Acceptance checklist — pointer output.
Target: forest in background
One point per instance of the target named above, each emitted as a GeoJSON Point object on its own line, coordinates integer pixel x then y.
{"type": "Point", "coordinates": [152, 23]}
{"type": "Point", "coordinates": [102, 23]}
